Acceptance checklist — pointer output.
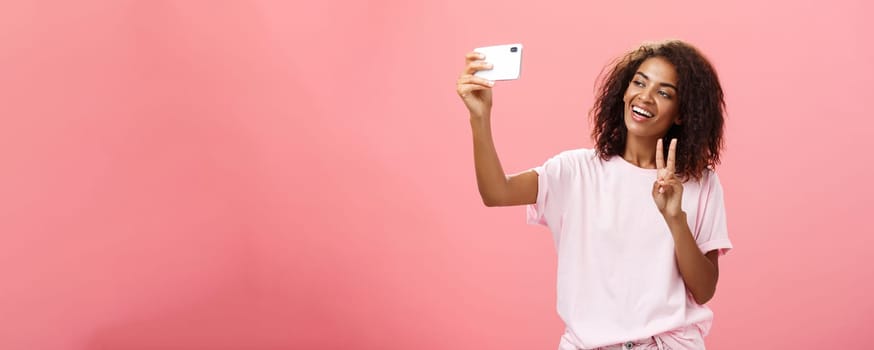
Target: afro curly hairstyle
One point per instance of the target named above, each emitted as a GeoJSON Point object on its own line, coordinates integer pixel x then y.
{"type": "Point", "coordinates": [701, 106]}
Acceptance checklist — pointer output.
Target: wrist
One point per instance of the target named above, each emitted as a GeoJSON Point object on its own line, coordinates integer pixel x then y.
{"type": "Point", "coordinates": [477, 120]}
{"type": "Point", "coordinates": [674, 219]}
{"type": "Point", "coordinates": [479, 116]}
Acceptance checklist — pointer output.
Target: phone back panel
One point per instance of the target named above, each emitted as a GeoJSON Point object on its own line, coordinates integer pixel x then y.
{"type": "Point", "coordinates": [506, 61]}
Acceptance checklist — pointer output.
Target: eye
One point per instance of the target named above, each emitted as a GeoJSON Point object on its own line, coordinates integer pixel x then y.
{"type": "Point", "coordinates": [664, 94]}
{"type": "Point", "coordinates": [637, 83]}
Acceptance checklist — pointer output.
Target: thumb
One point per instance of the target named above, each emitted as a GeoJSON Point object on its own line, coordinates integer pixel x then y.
{"type": "Point", "coordinates": [655, 188]}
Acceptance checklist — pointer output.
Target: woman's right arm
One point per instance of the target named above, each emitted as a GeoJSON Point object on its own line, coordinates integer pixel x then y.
{"type": "Point", "coordinates": [495, 187]}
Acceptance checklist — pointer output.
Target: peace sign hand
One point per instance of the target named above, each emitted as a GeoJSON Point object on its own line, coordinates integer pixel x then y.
{"type": "Point", "coordinates": [667, 190]}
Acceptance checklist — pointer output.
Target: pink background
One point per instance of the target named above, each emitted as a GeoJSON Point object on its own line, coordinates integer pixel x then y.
{"type": "Point", "coordinates": [275, 175]}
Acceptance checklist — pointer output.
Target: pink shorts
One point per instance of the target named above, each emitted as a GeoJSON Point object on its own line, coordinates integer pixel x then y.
{"type": "Point", "coordinates": [686, 338]}
{"type": "Point", "coordinates": [651, 343]}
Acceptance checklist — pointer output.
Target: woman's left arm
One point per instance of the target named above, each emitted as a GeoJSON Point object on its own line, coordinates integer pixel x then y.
{"type": "Point", "coordinates": [700, 272]}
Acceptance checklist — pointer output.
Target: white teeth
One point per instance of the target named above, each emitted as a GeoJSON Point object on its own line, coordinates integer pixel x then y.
{"type": "Point", "coordinates": [639, 110]}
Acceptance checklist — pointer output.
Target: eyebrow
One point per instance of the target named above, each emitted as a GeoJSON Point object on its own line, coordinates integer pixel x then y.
{"type": "Point", "coordinates": [662, 84]}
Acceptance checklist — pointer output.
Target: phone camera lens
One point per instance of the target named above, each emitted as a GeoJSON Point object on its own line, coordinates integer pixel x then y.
{"type": "Point", "coordinates": [514, 49]}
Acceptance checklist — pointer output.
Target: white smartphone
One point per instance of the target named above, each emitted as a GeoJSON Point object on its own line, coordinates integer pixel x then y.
{"type": "Point", "coordinates": [506, 61]}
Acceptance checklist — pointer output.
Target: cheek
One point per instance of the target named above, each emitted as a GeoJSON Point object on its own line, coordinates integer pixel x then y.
{"type": "Point", "coordinates": [670, 108]}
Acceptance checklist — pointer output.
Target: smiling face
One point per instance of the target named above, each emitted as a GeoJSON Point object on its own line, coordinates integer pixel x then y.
{"type": "Point", "coordinates": [651, 100]}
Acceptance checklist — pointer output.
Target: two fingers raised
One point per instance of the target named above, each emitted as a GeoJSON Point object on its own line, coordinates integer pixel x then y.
{"type": "Point", "coordinates": [672, 156]}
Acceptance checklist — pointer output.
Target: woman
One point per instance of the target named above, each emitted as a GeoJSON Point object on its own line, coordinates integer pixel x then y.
{"type": "Point", "coordinates": [638, 232]}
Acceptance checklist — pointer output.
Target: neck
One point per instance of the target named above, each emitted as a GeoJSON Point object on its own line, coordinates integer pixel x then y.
{"type": "Point", "coordinates": [640, 152]}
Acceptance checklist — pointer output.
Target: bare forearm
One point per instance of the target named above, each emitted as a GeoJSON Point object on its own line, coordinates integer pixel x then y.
{"type": "Point", "coordinates": [490, 177]}
{"type": "Point", "coordinates": [699, 273]}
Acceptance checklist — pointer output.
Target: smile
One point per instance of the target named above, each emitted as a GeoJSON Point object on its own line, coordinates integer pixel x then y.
{"type": "Point", "coordinates": [641, 112]}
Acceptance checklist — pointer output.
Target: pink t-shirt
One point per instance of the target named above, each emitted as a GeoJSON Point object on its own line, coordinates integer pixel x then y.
{"type": "Point", "coordinates": [617, 275]}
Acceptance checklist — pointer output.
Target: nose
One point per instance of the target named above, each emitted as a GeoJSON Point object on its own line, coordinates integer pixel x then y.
{"type": "Point", "coordinates": [645, 96]}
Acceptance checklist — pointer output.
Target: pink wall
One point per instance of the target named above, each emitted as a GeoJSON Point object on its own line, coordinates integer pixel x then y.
{"type": "Point", "coordinates": [266, 175]}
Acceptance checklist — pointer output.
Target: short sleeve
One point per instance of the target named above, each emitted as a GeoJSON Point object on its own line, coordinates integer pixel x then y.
{"type": "Point", "coordinates": [550, 195]}
{"type": "Point", "coordinates": [712, 232]}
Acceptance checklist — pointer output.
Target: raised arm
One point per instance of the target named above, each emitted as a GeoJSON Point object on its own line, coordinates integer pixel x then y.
{"type": "Point", "coordinates": [495, 187]}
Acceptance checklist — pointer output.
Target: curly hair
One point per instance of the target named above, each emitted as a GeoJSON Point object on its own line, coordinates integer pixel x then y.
{"type": "Point", "coordinates": [701, 106]}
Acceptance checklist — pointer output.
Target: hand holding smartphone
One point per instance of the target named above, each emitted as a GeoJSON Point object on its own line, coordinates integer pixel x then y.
{"type": "Point", "coordinates": [506, 61]}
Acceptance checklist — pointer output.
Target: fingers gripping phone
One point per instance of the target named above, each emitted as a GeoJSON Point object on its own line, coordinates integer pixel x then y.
{"type": "Point", "coordinates": [506, 62]}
